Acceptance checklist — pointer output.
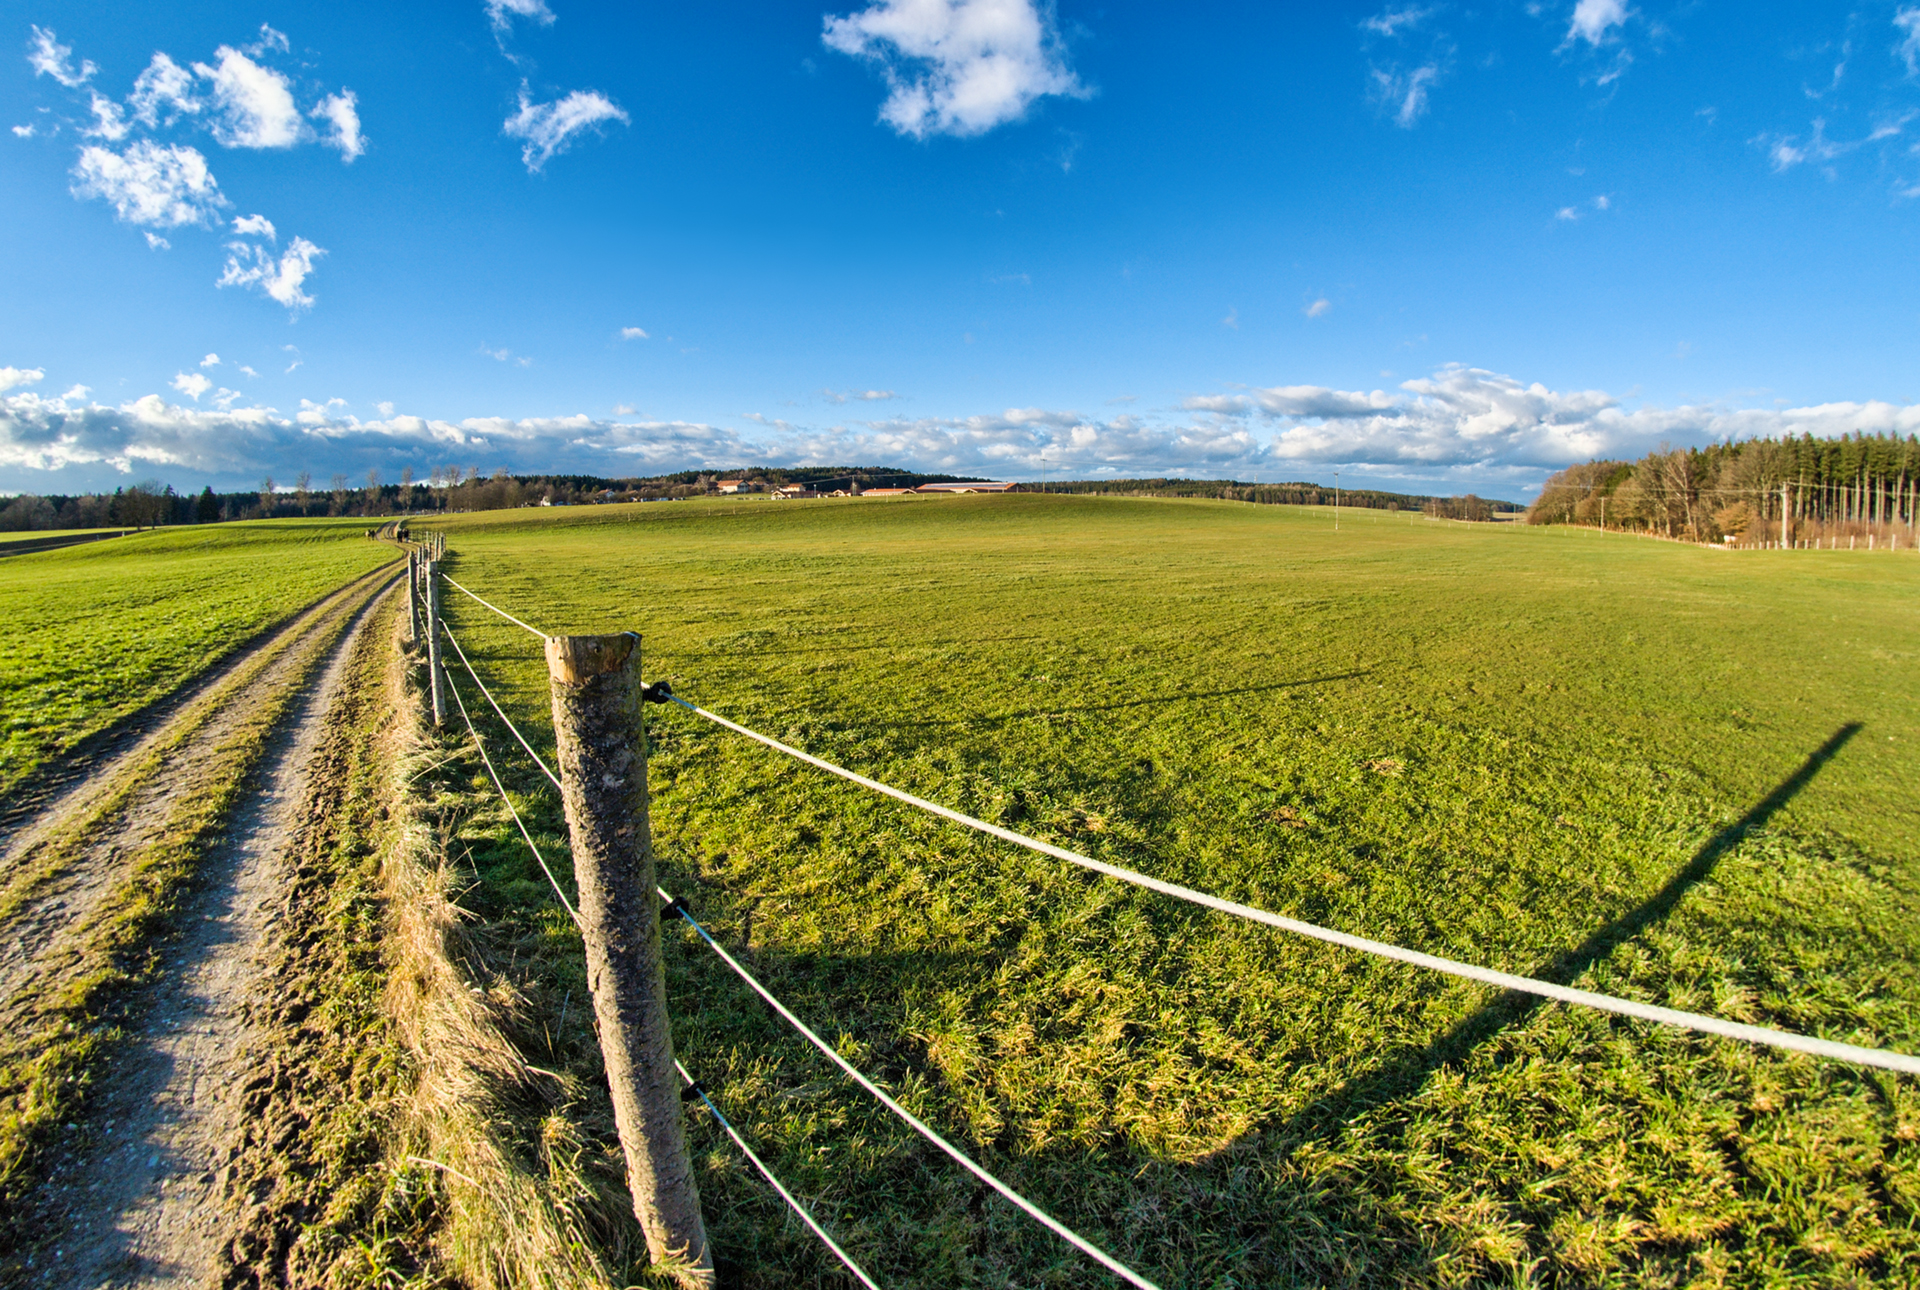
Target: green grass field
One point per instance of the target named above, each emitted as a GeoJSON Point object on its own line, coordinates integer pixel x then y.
{"type": "Point", "coordinates": [94, 632]}
{"type": "Point", "coordinates": [1681, 775]}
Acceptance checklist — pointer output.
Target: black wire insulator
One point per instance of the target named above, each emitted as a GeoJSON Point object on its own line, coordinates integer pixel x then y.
{"type": "Point", "coordinates": [673, 908]}
{"type": "Point", "coordinates": [658, 692]}
{"type": "Point", "coordinates": [692, 1092]}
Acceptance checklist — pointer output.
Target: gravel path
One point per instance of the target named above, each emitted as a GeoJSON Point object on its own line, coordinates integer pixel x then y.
{"type": "Point", "coordinates": [137, 1200]}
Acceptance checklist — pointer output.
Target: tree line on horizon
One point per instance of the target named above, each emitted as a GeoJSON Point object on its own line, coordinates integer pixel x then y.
{"type": "Point", "coordinates": [151, 503]}
{"type": "Point", "coordinates": [1853, 487]}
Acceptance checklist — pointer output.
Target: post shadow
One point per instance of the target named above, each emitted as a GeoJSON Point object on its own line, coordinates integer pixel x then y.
{"type": "Point", "coordinates": [1406, 1071]}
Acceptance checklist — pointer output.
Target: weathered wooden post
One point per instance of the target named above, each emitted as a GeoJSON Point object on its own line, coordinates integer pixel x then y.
{"type": "Point", "coordinates": [413, 596]}
{"type": "Point", "coordinates": [603, 773]}
{"type": "Point", "coordinates": [433, 643]}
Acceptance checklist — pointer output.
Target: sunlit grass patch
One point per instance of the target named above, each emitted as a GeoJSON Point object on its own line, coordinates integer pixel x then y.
{"type": "Point", "coordinates": [1675, 775]}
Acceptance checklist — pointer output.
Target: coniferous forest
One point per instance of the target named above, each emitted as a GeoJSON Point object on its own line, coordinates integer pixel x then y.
{"type": "Point", "coordinates": [1856, 490]}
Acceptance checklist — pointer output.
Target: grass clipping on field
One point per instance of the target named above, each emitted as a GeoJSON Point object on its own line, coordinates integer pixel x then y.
{"type": "Point", "coordinates": [528, 1199]}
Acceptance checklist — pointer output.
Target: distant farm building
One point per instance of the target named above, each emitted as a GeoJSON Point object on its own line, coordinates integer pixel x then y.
{"type": "Point", "coordinates": [794, 491]}
{"type": "Point", "coordinates": [888, 492]}
{"type": "Point", "coordinates": [731, 485]}
{"type": "Point", "coordinates": [972, 486]}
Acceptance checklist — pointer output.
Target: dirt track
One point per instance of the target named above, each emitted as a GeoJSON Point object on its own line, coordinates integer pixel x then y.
{"type": "Point", "coordinates": [131, 1193]}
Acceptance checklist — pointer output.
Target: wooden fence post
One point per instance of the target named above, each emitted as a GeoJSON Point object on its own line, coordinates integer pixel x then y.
{"type": "Point", "coordinates": [603, 773]}
{"type": "Point", "coordinates": [433, 643]}
{"type": "Point", "coordinates": [413, 596]}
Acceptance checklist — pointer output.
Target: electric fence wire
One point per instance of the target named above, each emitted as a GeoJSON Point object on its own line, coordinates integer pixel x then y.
{"type": "Point", "coordinates": [819, 1231]}
{"type": "Point", "coordinates": [1764, 1035]}
{"type": "Point", "coordinates": [495, 608]}
{"type": "Point", "coordinates": [502, 790]}
{"type": "Point", "coordinates": [537, 759]}
{"type": "Point", "coordinates": [724, 1123]}
{"type": "Point", "coordinates": [920, 1126]}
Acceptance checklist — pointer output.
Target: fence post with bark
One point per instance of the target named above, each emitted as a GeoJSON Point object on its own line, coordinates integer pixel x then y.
{"type": "Point", "coordinates": [602, 752]}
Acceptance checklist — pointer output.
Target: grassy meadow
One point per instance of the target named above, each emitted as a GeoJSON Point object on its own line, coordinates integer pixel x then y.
{"type": "Point", "coordinates": [1676, 774]}
{"type": "Point", "coordinates": [93, 632]}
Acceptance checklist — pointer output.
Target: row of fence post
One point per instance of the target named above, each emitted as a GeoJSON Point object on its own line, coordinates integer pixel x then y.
{"type": "Point", "coordinates": [601, 750]}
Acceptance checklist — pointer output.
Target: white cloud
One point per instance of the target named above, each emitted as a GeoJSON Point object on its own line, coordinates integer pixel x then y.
{"type": "Point", "coordinates": [50, 58]}
{"type": "Point", "coordinates": [157, 243]}
{"type": "Point", "coordinates": [958, 67]}
{"type": "Point", "coordinates": [1394, 20]}
{"type": "Point", "coordinates": [1405, 93]}
{"type": "Point", "coordinates": [340, 111]}
{"type": "Point", "coordinates": [163, 85]}
{"type": "Point", "coordinates": [1603, 203]}
{"type": "Point", "coordinates": [1232, 319]}
{"type": "Point", "coordinates": [1906, 20]}
{"type": "Point", "coordinates": [248, 370]}
{"type": "Point", "coordinates": [1319, 308]}
{"type": "Point", "coordinates": [549, 128]}
{"type": "Point", "coordinates": [10, 377]}
{"type": "Point", "coordinates": [633, 333]}
{"type": "Point", "coordinates": [858, 396]}
{"type": "Point", "coordinates": [1459, 425]}
{"type": "Point", "coordinates": [24, 131]}
{"type": "Point", "coordinates": [109, 122]}
{"type": "Point", "coordinates": [150, 184]}
{"type": "Point", "coordinates": [211, 360]}
{"type": "Point", "coordinates": [1593, 19]}
{"type": "Point", "coordinates": [386, 409]}
{"type": "Point", "coordinates": [501, 13]}
{"type": "Point", "coordinates": [256, 103]}
{"type": "Point", "coordinates": [252, 265]}
{"type": "Point", "coordinates": [269, 40]}
{"type": "Point", "coordinates": [256, 226]}
{"type": "Point", "coordinates": [191, 384]}
{"type": "Point", "coordinates": [76, 392]}
{"type": "Point", "coordinates": [1567, 213]}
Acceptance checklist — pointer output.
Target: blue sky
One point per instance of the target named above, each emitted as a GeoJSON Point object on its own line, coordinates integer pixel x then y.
{"type": "Point", "coordinates": [1435, 247]}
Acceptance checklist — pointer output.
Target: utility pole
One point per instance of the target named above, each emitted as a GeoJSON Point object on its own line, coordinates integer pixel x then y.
{"type": "Point", "coordinates": [1785, 523]}
{"type": "Point", "coordinates": [1336, 501]}
{"type": "Point", "coordinates": [602, 752]}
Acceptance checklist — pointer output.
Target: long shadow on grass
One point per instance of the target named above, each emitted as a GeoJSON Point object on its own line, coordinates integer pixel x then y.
{"type": "Point", "coordinates": [1405, 1072]}
{"type": "Point", "coordinates": [1150, 701]}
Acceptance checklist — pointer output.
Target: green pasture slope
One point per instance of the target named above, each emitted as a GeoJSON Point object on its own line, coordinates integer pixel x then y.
{"type": "Point", "coordinates": [93, 632]}
{"type": "Point", "coordinates": [1680, 775]}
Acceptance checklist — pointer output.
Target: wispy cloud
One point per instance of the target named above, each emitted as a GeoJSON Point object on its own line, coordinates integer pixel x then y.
{"type": "Point", "coordinates": [255, 103]}
{"type": "Point", "coordinates": [341, 112]}
{"type": "Point", "coordinates": [633, 333]}
{"type": "Point", "coordinates": [162, 186]}
{"type": "Point", "coordinates": [13, 377]}
{"type": "Point", "coordinates": [191, 384]}
{"type": "Point", "coordinates": [550, 128]}
{"type": "Point", "coordinates": [501, 13]}
{"type": "Point", "coordinates": [1594, 19]}
{"type": "Point", "coordinates": [505, 355]}
{"type": "Point", "coordinates": [1905, 21]}
{"type": "Point", "coordinates": [255, 226]}
{"type": "Point", "coordinates": [957, 67]}
{"type": "Point", "coordinates": [251, 265]}
{"type": "Point", "coordinates": [1393, 21]}
{"type": "Point", "coordinates": [858, 396]}
{"type": "Point", "coordinates": [211, 360]}
{"type": "Point", "coordinates": [1319, 308]}
{"type": "Point", "coordinates": [50, 58]}
{"type": "Point", "coordinates": [164, 87]}
{"type": "Point", "coordinates": [1403, 93]}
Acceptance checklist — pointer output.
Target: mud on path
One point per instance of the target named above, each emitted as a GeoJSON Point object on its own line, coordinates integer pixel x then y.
{"type": "Point", "coordinates": [128, 1196]}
